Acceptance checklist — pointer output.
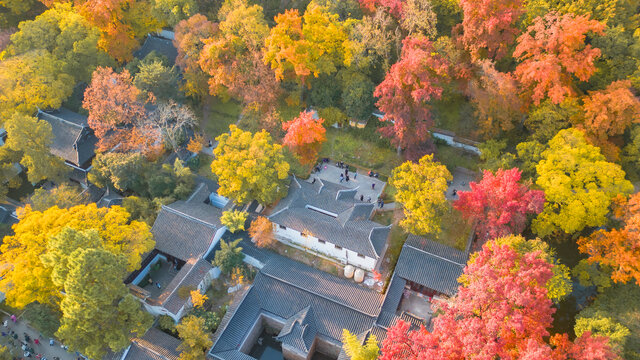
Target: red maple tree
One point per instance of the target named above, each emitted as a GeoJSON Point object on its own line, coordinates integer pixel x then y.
{"type": "Point", "coordinates": [551, 51]}
{"type": "Point", "coordinates": [501, 312]}
{"type": "Point", "coordinates": [115, 113]}
{"type": "Point", "coordinates": [489, 26]}
{"type": "Point", "coordinates": [499, 203]}
{"type": "Point", "coordinates": [618, 248]}
{"type": "Point", "coordinates": [610, 112]}
{"type": "Point", "coordinates": [305, 136]}
{"type": "Point", "coordinates": [405, 91]}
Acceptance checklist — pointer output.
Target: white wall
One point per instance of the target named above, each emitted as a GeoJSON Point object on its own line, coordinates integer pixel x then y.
{"type": "Point", "coordinates": [216, 239]}
{"type": "Point", "coordinates": [450, 140]}
{"type": "Point", "coordinates": [343, 256]}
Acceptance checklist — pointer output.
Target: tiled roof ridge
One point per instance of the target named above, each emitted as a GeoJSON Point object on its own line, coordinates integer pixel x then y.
{"type": "Point", "coordinates": [434, 255]}
{"type": "Point", "coordinates": [81, 126]}
{"type": "Point", "coordinates": [137, 342]}
{"type": "Point", "coordinates": [315, 294]}
{"type": "Point", "coordinates": [194, 192]}
{"type": "Point", "coordinates": [177, 281]}
{"type": "Point", "coordinates": [226, 319]}
{"type": "Point", "coordinates": [180, 213]}
{"type": "Point", "coordinates": [371, 234]}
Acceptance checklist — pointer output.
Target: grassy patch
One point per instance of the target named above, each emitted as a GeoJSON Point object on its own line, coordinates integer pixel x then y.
{"type": "Point", "coordinates": [204, 165]}
{"type": "Point", "coordinates": [453, 157]}
{"type": "Point", "coordinates": [397, 237]}
{"type": "Point", "coordinates": [455, 113]}
{"type": "Point", "coordinates": [307, 258]}
{"type": "Point", "coordinates": [389, 193]}
{"type": "Point", "coordinates": [344, 146]}
{"type": "Point", "coordinates": [383, 217]}
{"type": "Point", "coordinates": [217, 115]}
{"type": "Point", "coordinates": [454, 232]}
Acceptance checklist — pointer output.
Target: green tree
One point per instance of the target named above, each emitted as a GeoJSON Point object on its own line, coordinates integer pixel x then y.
{"type": "Point", "coordinates": [98, 313]}
{"type": "Point", "coordinates": [234, 219]}
{"type": "Point", "coordinates": [579, 185]}
{"type": "Point", "coordinates": [160, 80]}
{"type": "Point", "coordinates": [229, 256]}
{"type": "Point", "coordinates": [528, 155]}
{"type": "Point", "coordinates": [544, 121]}
{"type": "Point", "coordinates": [195, 340]}
{"type": "Point", "coordinates": [357, 94]}
{"type": "Point", "coordinates": [30, 81]}
{"type": "Point", "coordinates": [356, 350]}
{"type": "Point", "coordinates": [619, 305]}
{"type": "Point", "coordinates": [592, 274]}
{"type": "Point", "coordinates": [64, 196]}
{"type": "Point", "coordinates": [620, 55]}
{"type": "Point", "coordinates": [141, 209]}
{"type": "Point", "coordinates": [172, 11]}
{"type": "Point", "coordinates": [120, 170]}
{"type": "Point", "coordinates": [211, 319]}
{"type": "Point", "coordinates": [249, 167]}
{"type": "Point", "coordinates": [603, 326]}
{"type": "Point", "coordinates": [32, 138]}
{"type": "Point", "coordinates": [67, 36]}
{"type": "Point", "coordinates": [166, 323]}
{"type": "Point", "coordinates": [421, 191]}
{"type": "Point", "coordinates": [43, 317]}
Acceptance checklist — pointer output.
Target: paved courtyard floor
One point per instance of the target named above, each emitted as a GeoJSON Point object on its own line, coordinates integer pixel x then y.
{"type": "Point", "coordinates": [416, 305]}
{"type": "Point", "coordinates": [43, 348]}
{"type": "Point", "coordinates": [362, 182]}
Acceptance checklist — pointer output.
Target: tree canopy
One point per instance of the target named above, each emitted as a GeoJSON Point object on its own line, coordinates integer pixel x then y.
{"type": "Point", "coordinates": [421, 191]}
{"type": "Point", "coordinates": [29, 278]}
{"type": "Point", "coordinates": [249, 166]}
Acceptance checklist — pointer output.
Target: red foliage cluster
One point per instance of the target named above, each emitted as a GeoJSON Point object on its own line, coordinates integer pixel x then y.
{"type": "Point", "coordinates": [409, 84]}
{"type": "Point", "coordinates": [552, 50]}
{"type": "Point", "coordinates": [304, 136]}
{"type": "Point", "coordinates": [501, 312]}
{"type": "Point", "coordinates": [499, 203]}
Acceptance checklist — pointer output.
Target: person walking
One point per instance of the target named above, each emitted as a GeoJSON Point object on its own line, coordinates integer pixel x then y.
{"type": "Point", "coordinates": [355, 174]}
{"type": "Point", "coordinates": [373, 186]}
{"type": "Point", "coordinates": [347, 178]}
{"type": "Point", "coordinates": [361, 197]}
{"type": "Point", "coordinates": [341, 177]}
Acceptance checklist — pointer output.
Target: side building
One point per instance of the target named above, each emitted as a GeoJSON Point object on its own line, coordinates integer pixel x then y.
{"type": "Point", "coordinates": [73, 140]}
{"type": "Point", "coordinates": [303, 309]}
{"type": "Point", "coordinates": [185, 232]}
{"type": "Point", "coordinates": [326, 219]}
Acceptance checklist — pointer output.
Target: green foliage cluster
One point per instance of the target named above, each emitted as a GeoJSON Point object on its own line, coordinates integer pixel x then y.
{"type": "Point", "coordinates": [131, 172]}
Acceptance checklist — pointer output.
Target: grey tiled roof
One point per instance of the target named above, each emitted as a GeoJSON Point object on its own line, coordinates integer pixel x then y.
{"type": "Point", "coordinates": [285, 288]}
{"type": "Point", "coordinates": [324, 285]}
{"type": "Point", "coordinates": [342, 221]}
{"type": "Point", "coordinates": [185, 230]}
{"type": "Point", "coordinates": [191, 274]}
{"type": "Point", "coordinates": [299, 331]}
{"type": "Point", "coordinates": [438, 249]}
{"type": "Point", "coordinates": [154, 345]}
{"type": "Point", "coordinates": [432, 270]}
{"type": "Point", "coordinates": [73, 140]}
{"type": "Point", "coordinates": [159, 45]}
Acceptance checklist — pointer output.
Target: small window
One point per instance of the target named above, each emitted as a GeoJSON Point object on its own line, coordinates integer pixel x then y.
{"type": "Point", "coordinates": [360, 255]}
{"type": "Point", "coordinates": [338, 247]}
{"type": "Point", "coordinates": [321, 241]}
{"type": "Point", "coordinates": [283, 227]}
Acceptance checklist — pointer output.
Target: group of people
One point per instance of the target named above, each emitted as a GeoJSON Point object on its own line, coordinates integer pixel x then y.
{"type": "Point", "coordinates": [14, 340]}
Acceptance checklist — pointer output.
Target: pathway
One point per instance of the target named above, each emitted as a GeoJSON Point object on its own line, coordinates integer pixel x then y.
{"type": "Point", "coordinates": [44, 348]}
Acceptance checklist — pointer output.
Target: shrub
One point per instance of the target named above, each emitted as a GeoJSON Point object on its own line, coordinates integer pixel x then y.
{"type": "Point", "coordinates": [234, 220]}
